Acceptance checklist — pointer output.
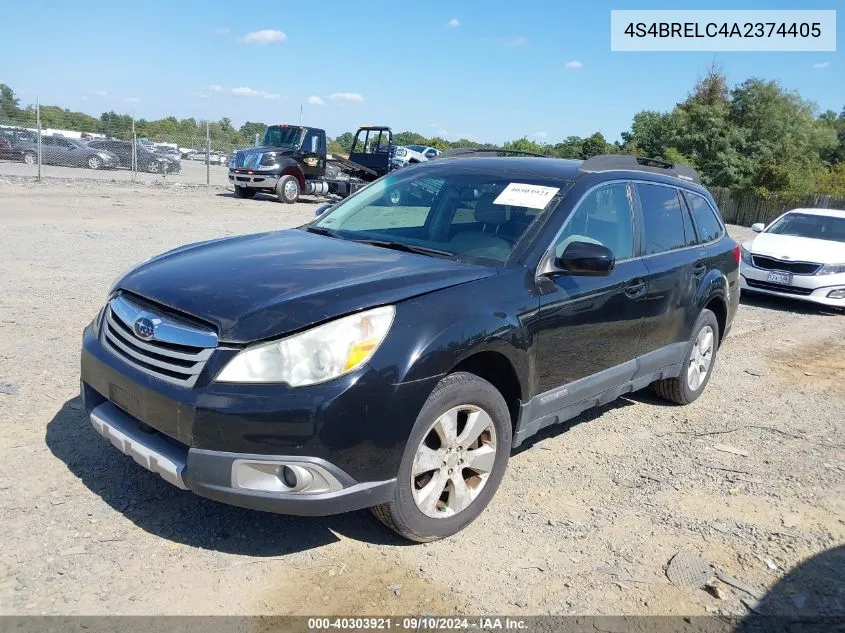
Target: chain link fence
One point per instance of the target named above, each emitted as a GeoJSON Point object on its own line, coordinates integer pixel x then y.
{"type": "Point", "coordinates": [119, 151]}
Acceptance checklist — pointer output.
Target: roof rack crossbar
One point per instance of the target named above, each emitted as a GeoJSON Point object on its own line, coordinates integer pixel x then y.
{"type": "Point", "coordinates": [629, 162]}
{"type": "Point", "coordinates": [475, 151]}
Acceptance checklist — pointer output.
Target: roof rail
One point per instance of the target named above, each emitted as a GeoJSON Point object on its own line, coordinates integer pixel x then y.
{"type": "Point", "coordinates": [629, 162]}
{"type": "Point", "coordinates": [466, 152]}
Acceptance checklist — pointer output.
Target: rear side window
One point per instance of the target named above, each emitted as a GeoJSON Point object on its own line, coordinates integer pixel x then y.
{"type": "Point", "coordinates": [662, 217]}
{"type": "Point", "coordinates": [709, 227]}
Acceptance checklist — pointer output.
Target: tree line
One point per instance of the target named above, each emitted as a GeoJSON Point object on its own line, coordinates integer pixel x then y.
{"type": "Point", "coordinates": [755, 135]}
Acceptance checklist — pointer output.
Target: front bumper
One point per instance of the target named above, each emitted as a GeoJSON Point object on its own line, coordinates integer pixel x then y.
{"type": "Point", "coordinates": [218, 475]}
{"type": "Point", "coordinates": [351, 431]}
{"type": "Point", "coordinates": [812, 288]}
{"type": "Point", "coordinates": [253, 181]}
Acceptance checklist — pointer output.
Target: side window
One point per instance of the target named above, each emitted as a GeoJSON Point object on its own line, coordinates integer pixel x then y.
{"type": "Point", "coordinates": [689, 228]}
{"type": "Point", "coordinates": [312, 143]}
{"type": "Point", "coordinates": [662, 217]}
{"type": "Point", "coordinates": [708, 224]}
{"type": "Point", "coordinates": [604, 217]}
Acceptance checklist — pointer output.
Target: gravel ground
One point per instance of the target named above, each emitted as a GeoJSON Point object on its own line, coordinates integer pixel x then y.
{"type": "Point", "coordinates": [751, 477]}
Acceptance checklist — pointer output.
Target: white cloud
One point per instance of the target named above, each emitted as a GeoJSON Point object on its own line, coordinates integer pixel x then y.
{"type": "Point", "coordinates": [222, 31]}
{"type": "Point", "coordinates": [541, 134]}
{"type": "Point", "coordinates": [515, 41]}
{"type": "Point", "coordinates": [454, 22]}
{"type": "Point", "coordinates": [199, 95]}
{"type": "Point", "coordinates": [243, 91]}
{"type": "Point", "coordinates": [85, 98]}
{"type": "Point", "coordinates": [100, 93]}
{"type": "Point", "coordinates": [574, 64]}
{"type": "Point", "coordinates": [443, 133]}
{"type": "Point", "coordinates": [215, 88]}
{"type": "Point", "coordinates": [315, 100]}
{"type": "Point", "coordinates": [349, 97]}
{"type": "Point", "coordinates": [264, 37]}
{"type": "Point", "coordinates": [132, 100]}
{"type": "Point", "coordinates": [821, 65]}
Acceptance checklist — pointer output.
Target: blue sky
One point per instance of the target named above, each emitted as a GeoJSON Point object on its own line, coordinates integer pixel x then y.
{"type": "Point", "coordinates": [487, 70]}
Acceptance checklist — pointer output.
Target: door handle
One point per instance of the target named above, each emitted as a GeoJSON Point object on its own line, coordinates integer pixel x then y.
{"type": "Point", "coordinates": [635, 288]}
{"type": "Point", "coordinates": [699, 269]}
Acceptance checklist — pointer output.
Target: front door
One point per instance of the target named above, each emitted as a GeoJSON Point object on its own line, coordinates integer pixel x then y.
{"type": "Point", "coordinates": [589, 327]}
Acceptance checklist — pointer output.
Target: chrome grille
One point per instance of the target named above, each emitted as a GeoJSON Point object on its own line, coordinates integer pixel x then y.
{"type": "Point", "coordinates": [176, 352]}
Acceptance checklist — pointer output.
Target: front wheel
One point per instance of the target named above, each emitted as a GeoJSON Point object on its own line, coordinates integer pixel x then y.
{"type": "Point", "coordinates": [95, 162]}
{"type": "Point", "coordinates": [287, 189]}
{"type": "Point", "coordinates": [699, 360]}
{"type": "Point", "coordinates": [153, 168]}
{"type": "Point", "coordinates": [454, 460]}
{"type": "Point", "coordinates": [30, 158]}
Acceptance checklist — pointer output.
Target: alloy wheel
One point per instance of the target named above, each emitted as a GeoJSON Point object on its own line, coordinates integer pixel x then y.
{"type": "Point", "coordinates": [701, 358]}
{"type": "Point", "coordinates": [453, 461]}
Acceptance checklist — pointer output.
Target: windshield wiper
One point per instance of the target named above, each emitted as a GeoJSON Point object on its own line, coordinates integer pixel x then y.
{"type": "Point", "coordinates": [409, 248]}
{"type": "Point", "coordinates": [319, 230]}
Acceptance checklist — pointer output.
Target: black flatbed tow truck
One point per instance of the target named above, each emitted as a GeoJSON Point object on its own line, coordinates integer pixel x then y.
{"type": "Point", "coordinates": [292, 160]}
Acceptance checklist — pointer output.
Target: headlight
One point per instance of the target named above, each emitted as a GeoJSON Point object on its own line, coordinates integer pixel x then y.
{"type": "Point", "coordinates": [401, 152]}
{"type": "Point", "coordinates": [745, 254]}
{"type": "Point", "coordinates": [314, 356]}
{"type": "Point", "coordinates": [831, 269]}
{"type": "Point", "coordinates": [103, 155]}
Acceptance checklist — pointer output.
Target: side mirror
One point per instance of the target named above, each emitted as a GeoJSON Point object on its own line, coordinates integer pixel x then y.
{"type": "Point", "coordinates": [758, 227]}
{"type": "Point", "coordinates": [586, 259]}
{"type": "Point", "coordinates": [322, 209]}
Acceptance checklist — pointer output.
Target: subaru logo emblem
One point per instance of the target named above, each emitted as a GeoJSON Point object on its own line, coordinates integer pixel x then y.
{"type": "Point", "coordinates": [144, 328]}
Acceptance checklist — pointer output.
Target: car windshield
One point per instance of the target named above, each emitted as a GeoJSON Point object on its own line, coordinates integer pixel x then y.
{"type": "Point", "coordinates": [818, 227]}
{"type": "Point", "coordinates": [279, 136]}
{"type": "Point", "coordinates": [470, 215]}
{"type": "Point", "coordinates": [416, 148]}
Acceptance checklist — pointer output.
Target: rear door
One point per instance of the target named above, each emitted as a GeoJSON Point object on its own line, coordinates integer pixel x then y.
{"type": "Point", "coordinates": [675, 263]}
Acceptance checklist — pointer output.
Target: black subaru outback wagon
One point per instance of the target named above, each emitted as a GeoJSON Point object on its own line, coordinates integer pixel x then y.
{"type": "Point", "coordinates": [392, 352]}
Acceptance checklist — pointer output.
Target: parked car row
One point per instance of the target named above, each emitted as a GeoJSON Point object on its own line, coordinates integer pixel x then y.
{"type": "Point", "coordinates": [22, 145]}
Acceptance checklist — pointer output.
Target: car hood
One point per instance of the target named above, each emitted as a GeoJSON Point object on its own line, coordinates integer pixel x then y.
{"type": "Point", "coordinates": [259, 286]}
{"type": "Point", "coordinates": [799, 249]}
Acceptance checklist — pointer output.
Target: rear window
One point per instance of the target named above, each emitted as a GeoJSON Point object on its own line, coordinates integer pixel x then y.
{"type": "Point", "coordinates": [709, 226]}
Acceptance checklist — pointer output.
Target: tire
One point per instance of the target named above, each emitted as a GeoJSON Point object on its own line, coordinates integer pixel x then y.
{"type": "Point", "coordinates": [153, 168]}
{"type": "Point", "coordinates": [244, 192]}
{"type": "Point", "coordinates": [287, 189]}
{"type": "Point", "coordinates": [683, 389]}
{"type": "Point", "coordinates": [30, 158]}
{"type": "Point", "coordinates": [94, 162]}
{"type": "Point", "coordinates": [461, 392]}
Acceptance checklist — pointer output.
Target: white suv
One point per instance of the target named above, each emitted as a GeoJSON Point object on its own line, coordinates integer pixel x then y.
{"type": "Point", "coordinates": [800, 255]}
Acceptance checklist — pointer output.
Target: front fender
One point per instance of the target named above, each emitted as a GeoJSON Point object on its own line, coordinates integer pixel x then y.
{"type": "Point", "coordinates": [290, 167]}
{"type": "Point", "coordinates": [433, 333]}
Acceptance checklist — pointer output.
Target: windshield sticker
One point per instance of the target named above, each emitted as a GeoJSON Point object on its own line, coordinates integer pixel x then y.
{"type": "Point", "coordinates": [518, 194]}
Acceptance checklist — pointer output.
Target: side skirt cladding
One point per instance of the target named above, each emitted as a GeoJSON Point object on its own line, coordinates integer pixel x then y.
{"type": "Point", "coordinates": [567, 401]}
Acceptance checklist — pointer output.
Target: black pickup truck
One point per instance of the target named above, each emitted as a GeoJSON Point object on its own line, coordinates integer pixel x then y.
{"type": "Point", "coordinates": [293, 160]}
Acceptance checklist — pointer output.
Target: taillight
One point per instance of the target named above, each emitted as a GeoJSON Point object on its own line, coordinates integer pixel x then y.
{"type": "Point", "coordinates": [737, 253]}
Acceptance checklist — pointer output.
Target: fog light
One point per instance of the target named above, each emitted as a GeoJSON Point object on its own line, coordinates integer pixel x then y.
{"type": "Point", "coordinates": [289, 477]}
{"type": "Point", "coordinates": [282, 476]}
{"type": "Point", "coordinates": [836, 294]}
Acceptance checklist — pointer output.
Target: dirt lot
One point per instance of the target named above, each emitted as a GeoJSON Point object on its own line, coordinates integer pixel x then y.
{"type": "Point", "coordinates": [586, 520]}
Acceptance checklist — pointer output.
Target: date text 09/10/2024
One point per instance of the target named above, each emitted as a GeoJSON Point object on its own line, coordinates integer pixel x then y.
{"type": "Point", "coordinates": [430, 623]}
